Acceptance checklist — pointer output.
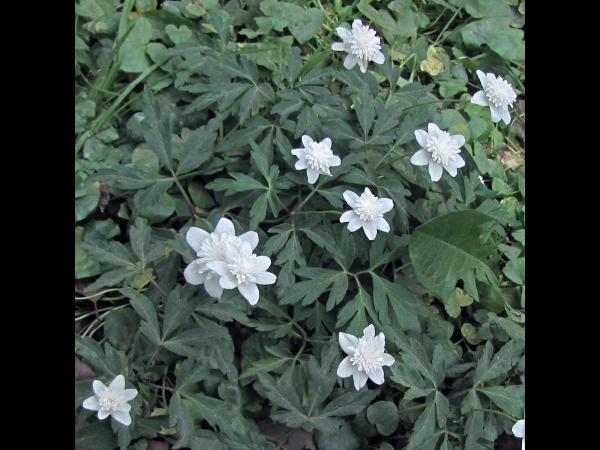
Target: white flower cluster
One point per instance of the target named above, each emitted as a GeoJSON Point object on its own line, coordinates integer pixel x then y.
{"type": "Point", "coordinates": [111, 400]}
{"type": "Point", "coordinates": [227, 261]}
{"type": "Point", "coordinates": [362, 45]}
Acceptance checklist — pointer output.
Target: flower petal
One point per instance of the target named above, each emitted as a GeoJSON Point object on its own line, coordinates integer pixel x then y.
{"type": "Point", "coordinates": [458, 139]}
{"type": "Point", "coordinates": [482, 78]}
{"type": "Point", "coordinates": [195, 237]}
{"type": "Point", "coordinates": [351, 198]}
{"type": "Point", "coordinates": [496, 113]}
{"type": "Point", "coordinates": [385, 204]}
{"type": "Point", "coordinates": [228, 281]}
{"type": "Point", "coordinates": [307, 140]}
{"type": "Point", "coordinates": [370, 230]}
{"type": "Point", "coordinates": [266, 278]}
{"type": "Point", "coordinates": [301, 164]}
{"type": "Point", "coordinates": [122, 416]}
{"type": "Point", "coordinates": [251, 237]}
{"type": "Point", "coordinates": [213, 288]}
{"type": "Point", "coordinates": [505, 116]}
{"type": "Point", "coordinates": [381, 224]}
{"type": "Point", "coordinates": [388, 360]}
{"type": "Point", "coordinates": [518, 429]}
{"type": "Point", "coordinates": [369, 332]}
{"type": "Point", "coordinates": [118, 384]}
{"type": "Point", "coordinates": [480, 99]}
{"type": "Point", "coordinates": [262, 263]}
{"type": "Point", "coordinates": [376, 375]}
{"type": "Point", "coordinates": [348, 216]}
{"type": "Point", "coordinates": [435, 170]}
{"type": "Point", "coordinates": [459, 162]}
{"type": "Point", "coordinates": [334, 161]}
{"type": "Point", "coordinates": [350, 61]}
{"type": "Point", "coordinates": [98, 387]}
{"type": "Point", "coordinates": [379, 58]}
{"type": "Point", "coordinates": [421, 158]}
{"type": "Point", "coordinates": [130, 394]}
{"type": "Point", "coordinates": [433, 129]}
{"type": "Point", "coordinates": [91, 403]}
{"type": "Point", "coordinates": [344, 33]}
{"type": "Point", "coordinates": [250, 292]}
{"type": "Point", "coordinates": [192, 272]}
{"type": "Point", "coordinates": [360, 379]}
{"type": "Point", "coordinates": [355, 224]}
{"type": "Point", "coordinates": [225, 226]}
{"type": "Point", "coordinates": [313, 175]}
{"type": "Point", "coordinates": [422, 137]}
{"type": "Point", "coordinates": [362, 63]}
{"type": "Point", "coordinates": [103, 414]}
{"type": "Point", "coordinates": [452, 170]}
{"type": "Point", "coordinates": [327, 143]}
{"type": "Point", "coordinates": [219, 267]}
{"type": "Point", "coordinates": [348, 343]}
{"type": "Point", "coordinates": [346, 368]}
{"type": "Point", "coordinates": [299, 152]}
{"type": "Point", "coordinates": [338, 46]}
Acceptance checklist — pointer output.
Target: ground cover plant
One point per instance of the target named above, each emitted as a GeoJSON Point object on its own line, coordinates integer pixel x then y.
{"type": "Point", "coordinates": [299, 224]}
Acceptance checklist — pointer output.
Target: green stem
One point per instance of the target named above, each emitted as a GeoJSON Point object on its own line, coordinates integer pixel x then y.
{"type": "Point", "coordinates": [95, 295]}
{"type": "Point", "coordinates": [438, 41]}
{"type": "Point", "coordinates": [497, 412]}
{"type": "Point", "coordinates": [297, 208]}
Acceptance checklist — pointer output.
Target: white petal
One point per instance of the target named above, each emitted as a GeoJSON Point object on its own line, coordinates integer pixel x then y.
{"type": "Point", "coordinates": [250, 292]}
{"type": "Point", "coordinates": [348, 343]}
{"type": "Point", "coordinates": [301, 164]}
{"type": "Point", "coordinates": [381, 224]}
{"type": "Point", "coordinates": [346, 368]}
{"type": "Point", "coordinates": [91, 403]}
{"type": "Point", "coordinates": [195, 237]}
{"type": "Point", "coordinates": [334, 161]}
{"type": "Point", "coordinates": [266, 278]}
{"type": "Point", "coordinates": [344, 33]}
{"type": "Point", "coordinates": [125, 407]}
{"type": "Point", "coordinates": [313, 175]}
{"type": "Point", "coordinates": [350, 61]}
{"type": "Point", "coordinates": [422, 137]}
{"type": "Point", "coordinates": [460, 162]}
{"type": "Point", "coordinates": [327, 143]}
{"type": "Point", "coordinates": [458, 139]}
{"type": "Point", "coordinates": [118, 384]}
{"type": "Point", "coordinates": [251, 237]}
{"type": "Point", "coordinates": [388, 360]}
{"type": "Point", "coordinates": [122, 416]}
{"type": "Point", "coordinates": [421, 158]}
{"type": "Point", "coordinates": [307, 140]}
{"type": "Point", "coordinates": [225, 226]}
{"type": "Point", "coordinates": [299, 152]}
{"type": "Point", "coordinates": [505, 114]}
{"type": "Point", "coordinates": [380, 341]}
{"type": "Point", "coordinates": [435, 170]}
{"type": "Point", "coordinates": [482, 78]}
{"type": "Point", "coordinates": [518, 428]}
{"type": "Point", "coordinates": [480, 99]}
{"type": "Point", "coordinates": [98, 386]}
{"type": "Point", "coordinates": [378, 58]}
{"type": "Point", "coordinates": [351, 198]}
{"type": "Point", "coordinates": [130, 394]}
{"type": "Point", "coordinates": [355, 224]}
{"type": "Point", "coordinates": [451, 170]}
{"type": "Point", "coordinates": [262, 263]}
{"type": "Point", "coordinates": [369, 332]}
{"type": "Point", "coordinates": [228, 281]}
{"type": "Point", "coordinates": [360, 378]}
{"type": "Point", "coordinates": [496, 113]}
{"type": "Point", "coordinates": [385, 204]}
{"type": "Point", "coordinates": [362, 63]}
{"type": "Point", "coordinates": [348, 216]}
{"type": "Point", "coordinates": [219, 267]}
{"type": "Point", "coordinates": [338, 46]}
{"type": "Point", "coordinates": [103, 414]}
{"type": "Point", "coordinates": [376, 375]}
{"type": "Point", "coordinates": [213, 288]}
{"type": "Point", "coordinates": [192, 273]}
{"type": "Point", "coordinates": [370, 230]}
{"type": "Point", "coordinates": [356, 24]}
{"type": "Point", "coordinates": [433, 129]}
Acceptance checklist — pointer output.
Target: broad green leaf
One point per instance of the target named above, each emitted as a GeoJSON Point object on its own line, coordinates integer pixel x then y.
{"type": "Point", "coordinates": [447, 249]}
{"type": "Point", "coordinates": [179, 415]}
{"type": "Point", "coordinates": [178, 308]}
{"type": "Point", "coordinates": [401, 300]}
{"type": "Point", "coordinates": [198, 148]}
{"type": "Point", "coordinates": [156, 128]}
{"type": "Point", "coordinates": [424, 427]}
{"type": "Point", "coordinates": [320, 280]}
{"type": "Point", "coordinates": [384, 415]}
{"type": "Point", "coordinates": [510, 398]}
{"type": "Point", "coordinates": [281, 394]}
{"type": "Point", "coordinates": [322, 377]}
{"type": "Point", "coordinates": [144, 307]}
{"type": "Point", "coordinates": [488, 368]}
{"type": "Point", "coordinates": [458, 299]}
{"type": "Point", "coordinates": [189, 342]}
{"type": "Point", "coordinates": [191, 372]}
{"type": "Point", "coordinates": [92, 352]}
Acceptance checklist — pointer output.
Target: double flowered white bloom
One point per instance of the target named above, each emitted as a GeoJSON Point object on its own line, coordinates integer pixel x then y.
{"type": "Point", "coordinates": [243, 270]}
{"type": "Point", "coordinates": [518, 430]}
{"type": "Point", "coordinates": [367, 212]}
{"type": "Point", "coordinates": [497, 93]}
{"type": "Point", "coordinates": [362, 46]}
{"type": "Point", "coordinates": [366, 356]}
{"type": "Point", "coordinates": [111, 400]}
{"type": "Point", "coordinates": [316, 158]}
{"type": "Point", "coordinates": [439, 150]}
{"type": "Point", "coordinates": [211, 247]}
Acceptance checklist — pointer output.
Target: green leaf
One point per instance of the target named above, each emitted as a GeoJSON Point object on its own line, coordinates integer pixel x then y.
{"type": "Point", "coordinates": [190, 342]}
{"type": "Point", "coordinates": [264, 365]}
{"type": "Point", "coordinates": [179, 415]}
{"type": "Point", "coordinates": [447, 249]}
{"type": "Point", "coordinates": [92, 352]}
{"type": "Point", "coordinates": [401, 300]}
{"type": "Point", "coordinates": [258, 212]}
{"type": "Point", "coordinates": [178, 308]}
{"type": "Point", "coordinates": [140, 239]}
{"type": "Point", "coordinates": [281, 394]}
{"type": "Point", "coordinates": [365, 111]}
{"type": "Point", "coordinates": [156, 129]}
{"type": "Point", "coordinates": [457, 299]}
{"type": "Point", "coordinates": [488, 369]}
{"type": "Point", "coordinates": [144, 307]}
{"type": "Point", "coordinates": [424, 426]}
{"type": "Point", "coordinates": [442, 409]}
{"type": "Point", "coordinates": [320, 280]}
{"type": "Point", "coordinates": [510, 398]}
{"type": "Point", "coordinates": [384, 415]}
{"type": "Point", "coordinates": [322, 378]}
{"type": "Point", "coordinates": [242, 183]}
{"type": "Point", "coordinates": [120, 327]}
{"type": "Point", "coordinates": [474, 426]}
{"type": "Point", "coordinates": [515, 270]}
{"type": "Point", "coordinates": [191, 373]}
{"type": "Point", "coordinates": [198, 148]}
{"type": "Point", "coordinates": [97, 436]}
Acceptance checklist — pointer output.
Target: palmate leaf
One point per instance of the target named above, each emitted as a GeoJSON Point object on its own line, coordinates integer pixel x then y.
{"type": "Point", "coordinates": [320, 280]}
{"type": "Point", "coordinates": [447, 249]}
{"type": "Point", "coordinates": [156, 129]}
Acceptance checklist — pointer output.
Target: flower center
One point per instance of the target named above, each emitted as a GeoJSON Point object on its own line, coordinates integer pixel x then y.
{"type": "Point", "coordinates": [212, 249]}
{"type": "Point", "coordinates": [443, 149]}
{"type": "Point", "coordinates": [364, 44]}
{"type": "Point", "coordinates": [367, 207]}
{"type": "Point", "coordinates": [318, 156]}
{"type": "Point", "coordinates": [244, 268]}
{"type": "Point", "coordinates": [500, 93]}
{"type": "Point", "coordinates": [109, 403]}
{"type": "Point", "coordinates": [366, 356]}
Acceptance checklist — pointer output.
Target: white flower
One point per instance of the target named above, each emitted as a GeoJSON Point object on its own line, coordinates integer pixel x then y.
{"type": "Point", "coordinates": [518, 430]}
{"type": "Point", "coordinates": [111, 400]}
{"type": "Point", "coordinates": [316, 158]}
{"type": "Point", "coordinates": [243, 270]}
{"type": "Point", "coordinates": [210, 247]}
{"type": "Point", "coordinates": [366, 356]}
{"type": "Point", "coordinates": [497, 93]}
{"type": "Point", "coordinates": [440, 151]}
{"type": "Point", "coordinates": [367, 212]}
{"type": "Point", "coordinates": [362, 46]}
